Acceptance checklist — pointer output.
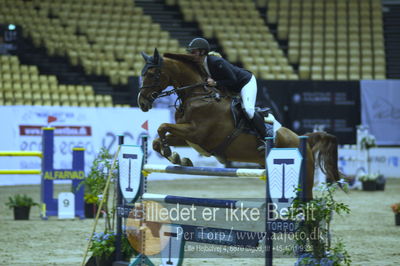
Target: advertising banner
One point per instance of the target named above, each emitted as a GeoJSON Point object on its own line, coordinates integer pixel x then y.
{"type": "Point", "coordinates": [385, 161]}
{"type": "Point", "coordinates": [380, 107]}
{"type": "Point", "coordinates": [90, 128]}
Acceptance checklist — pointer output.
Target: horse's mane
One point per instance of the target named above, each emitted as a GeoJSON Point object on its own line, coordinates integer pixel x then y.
{"type": "Point", "coordinates": [189, 60]}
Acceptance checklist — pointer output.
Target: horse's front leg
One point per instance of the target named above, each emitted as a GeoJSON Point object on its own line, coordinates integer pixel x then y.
{"type": "Point", "coordinates": [175, 142]}
{"type": "Point", "coordinates": [180, 131]}
{"type": "Point", "coordinates": [172, 140]}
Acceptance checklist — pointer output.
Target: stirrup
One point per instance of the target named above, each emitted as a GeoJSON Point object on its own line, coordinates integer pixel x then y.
{"type": "Point", "coordinates": [264, 111]}
{"type": "Point", "coordinates": [261, 148]}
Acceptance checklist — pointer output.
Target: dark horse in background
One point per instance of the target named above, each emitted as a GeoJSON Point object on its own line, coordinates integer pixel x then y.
{"type": "Point", "coordinates": [204, 120]}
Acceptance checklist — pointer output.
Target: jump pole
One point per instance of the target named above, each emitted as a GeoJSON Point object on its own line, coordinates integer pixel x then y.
{"type": "Point", "coordinates": [208, 171]}
{"type": "Point", "coordinates": [21, 154]}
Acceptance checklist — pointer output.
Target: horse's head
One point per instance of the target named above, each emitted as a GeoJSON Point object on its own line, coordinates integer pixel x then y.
{"type": "Point", "coordinates": [154, 80]}
{"type": "Point", "coordinates": [177, 70]}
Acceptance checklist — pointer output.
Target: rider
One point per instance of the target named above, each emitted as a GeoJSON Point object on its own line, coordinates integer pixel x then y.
{"type": "Point", "coordinates": [223, 74]}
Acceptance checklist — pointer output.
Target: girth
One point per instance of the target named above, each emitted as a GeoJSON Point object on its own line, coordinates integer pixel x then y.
{"type": "Point", "coordinates": [219, 151]}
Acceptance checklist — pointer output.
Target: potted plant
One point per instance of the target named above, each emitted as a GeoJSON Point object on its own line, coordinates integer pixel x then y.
{"type": "Point", "coordinates": [90, 205]}
{"type": "Point", "coordinates": [396, 211]}
{"type": "Point", "coordinates": [96, 180]}
{"type": "Point", "coordinates": [313, 237]}
{"type": "Point", "coordinates": [372, 182]}
{"type": "Point", "coordinates": [102, 245]}
{"type": "Point", "coordinates": [103, 248]}
{"type": "Point", "coordinates": [367, 142]}
{"type": "Point", "coordinates": [22, 205]}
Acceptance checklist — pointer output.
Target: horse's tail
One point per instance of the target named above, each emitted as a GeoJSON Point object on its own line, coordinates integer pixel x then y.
{"type": "Point", "coordinates": [325, 147]}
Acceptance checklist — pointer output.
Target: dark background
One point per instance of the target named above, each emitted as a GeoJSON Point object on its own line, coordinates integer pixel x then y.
{"type": "Point", "coordinates": [299, 105]}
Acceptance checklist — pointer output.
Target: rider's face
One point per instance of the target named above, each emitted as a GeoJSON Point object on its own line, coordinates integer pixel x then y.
{"type": "Point", "coordinates": [196, 52]}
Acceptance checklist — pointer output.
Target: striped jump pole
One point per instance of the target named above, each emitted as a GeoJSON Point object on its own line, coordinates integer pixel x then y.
{"type": "Point", "coordinates": [206, 171]}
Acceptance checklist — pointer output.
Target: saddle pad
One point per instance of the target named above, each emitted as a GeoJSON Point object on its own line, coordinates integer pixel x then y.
{"type": "Point", "coordinates": [239, 119]}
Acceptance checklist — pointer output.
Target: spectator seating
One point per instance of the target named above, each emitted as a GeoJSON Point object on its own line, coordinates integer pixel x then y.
{"type": "Point", "coordinates": [104, 36]}
{"type": "Point", "coordinates": [242, 33]}
{"type": "Point", "coordinates": [23, 85]}
{"type": "Point", "coordinates": [331, 39]}
{"type": "Point", "coordinates": [327, 40]}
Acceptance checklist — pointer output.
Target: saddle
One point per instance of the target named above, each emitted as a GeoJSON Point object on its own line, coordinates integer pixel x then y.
{"type": "Point", "coordinates": [241, 122]}
{"type": "Point", "coordinates": [242, 125]}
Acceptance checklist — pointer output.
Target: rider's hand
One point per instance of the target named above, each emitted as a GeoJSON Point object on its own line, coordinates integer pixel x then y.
{"type": "Point", "coordinates": [211, 82]}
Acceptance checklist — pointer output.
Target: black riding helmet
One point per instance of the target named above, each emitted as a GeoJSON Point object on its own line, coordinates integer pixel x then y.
{"type": "Point", "coordinates": [198, 43]}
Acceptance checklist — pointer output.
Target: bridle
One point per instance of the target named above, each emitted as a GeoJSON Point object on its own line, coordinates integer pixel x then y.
{"type": "Point", "coordinates": [157, 82]}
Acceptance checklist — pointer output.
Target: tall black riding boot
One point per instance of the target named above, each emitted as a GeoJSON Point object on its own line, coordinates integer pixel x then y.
{"type": "Point", "coordinates": [258, 123]}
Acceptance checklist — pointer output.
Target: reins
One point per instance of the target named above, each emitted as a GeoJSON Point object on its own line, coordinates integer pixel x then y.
{"type": "Point", "coordinates": [176, 90]}
{"type": "Point", "coordinates": [212, 93]}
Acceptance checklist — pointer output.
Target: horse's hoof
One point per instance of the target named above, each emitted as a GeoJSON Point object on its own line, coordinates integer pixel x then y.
{"type": "Point", "coordinates": [166, 151]}
{"type": "Point", "coordinates": [157, 146]}
{"type": "Point", "coordinates": [186, 162]}
{"type": "Point", "coordinates": [175, 158]}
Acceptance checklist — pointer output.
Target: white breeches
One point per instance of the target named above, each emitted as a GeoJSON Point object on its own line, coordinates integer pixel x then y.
{"type": "Point", "coordinates": [249, 95]}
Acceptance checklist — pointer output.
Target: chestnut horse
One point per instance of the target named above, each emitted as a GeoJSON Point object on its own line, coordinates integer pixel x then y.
{"type": "Point", "coordinates": [204, 119]}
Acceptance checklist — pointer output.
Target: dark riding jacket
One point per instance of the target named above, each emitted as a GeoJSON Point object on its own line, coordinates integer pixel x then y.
{"type": "Point", "coordinates": [227, 75]}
